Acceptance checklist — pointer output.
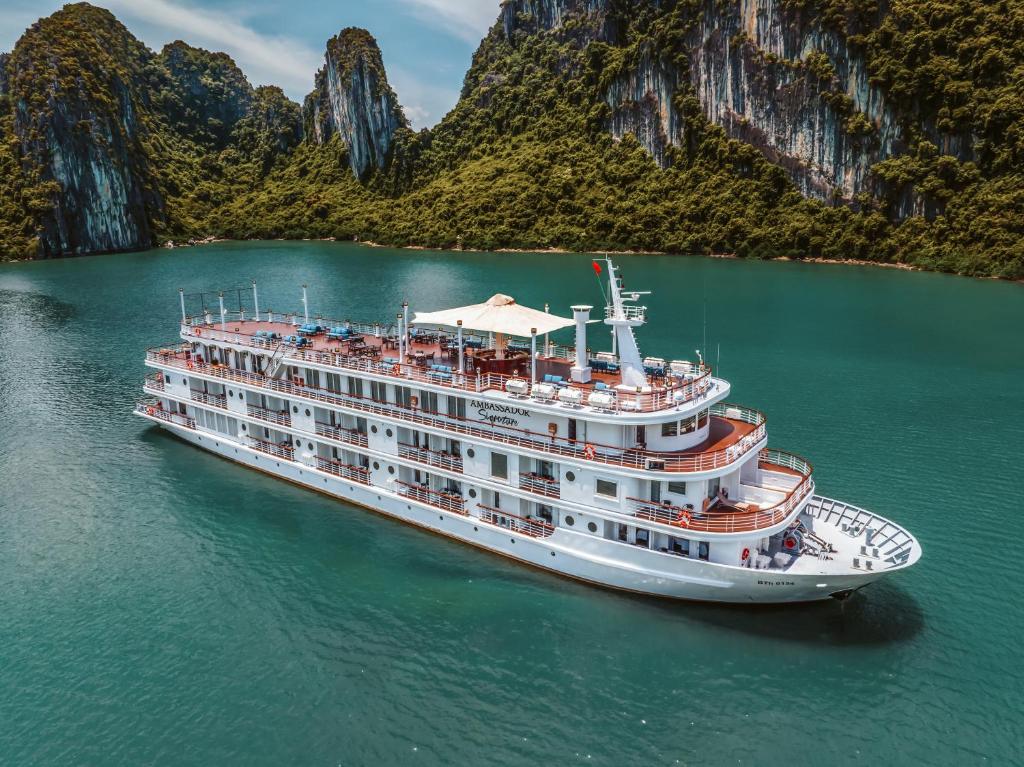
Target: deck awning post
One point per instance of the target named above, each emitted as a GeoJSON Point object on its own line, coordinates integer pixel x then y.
{"type": "Point", "coordinates": [223, 314]}
{"type": "Point", "coordinates": [580, 371]}
{"type": "Point", "coordinates": [462, 351]}
{"type": "Point", "coordinates": [256, 300]}
{"type": "Point", "coordinates": [533, 355]}
{"type": "Point", "coordinates": [547, 336]}
{"type": "Point", "coordinates": [305, 305]}
{"type": "Point", "coordinates": [401, 340]}
{"type": "Point", "coordinates": [181, 295]}
{"type": "Point", "coordinates": [405, 322]}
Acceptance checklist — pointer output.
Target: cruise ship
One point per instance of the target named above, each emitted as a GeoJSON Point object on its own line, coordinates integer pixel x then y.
{"type": "Point", "coordinates": [628, 472]}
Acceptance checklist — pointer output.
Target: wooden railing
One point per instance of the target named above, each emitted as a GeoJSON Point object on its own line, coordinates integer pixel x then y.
{"type": "Point", "coordinates": [712, 521]}
{"type": "Point", "coordinates": [662, 394]}
{"type": "Point", "coordinates": [437, 498]}
{"type": "Point", "coordinates": [430, 457]}
{"type": "Point", "coordinates": [347, 471]}
{"type": "Point", "coordinates": [280, 417]}
{"type": "Point", "coordinates": [341, 434]}
{"type": "Point", "coordinates": [215, 400]}
{"type": "Point", "coordinates": [536, 483]}
{"type": "Point", "coordinates": [154, 410]}
{"type": "Point", "coordinates": [560, 446]}
{"type": "Point", "coordinates": [535, 528]}
{"type": "Point", "coordinates": [281, 451]}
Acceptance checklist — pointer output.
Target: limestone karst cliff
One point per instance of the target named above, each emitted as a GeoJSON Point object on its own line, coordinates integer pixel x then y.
{"type": "Point", "coordinates": [353, 100]}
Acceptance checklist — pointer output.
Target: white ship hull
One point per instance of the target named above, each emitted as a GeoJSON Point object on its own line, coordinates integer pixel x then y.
{"type": "Point", "coordinates": [576, 555]}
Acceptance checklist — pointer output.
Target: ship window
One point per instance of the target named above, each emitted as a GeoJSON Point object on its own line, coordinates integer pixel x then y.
{"type": "Point", "coordinates": [688, 424]}
{"type": "Point", "coordinates": [295, 408]}
{"type": "Point", "coordinates": [677, 488]}
{"type": "Point", "coordinates": [472, 493]}
{"type": "Point", "coordinates": [391, 469]}
{"type": "Point", "coordinates": [607, 488]}
{"type": "Point", "coordinates": [376, 466]}
{"type": "Point", "coordinates": [703, 550]}
{"type": "Point", "coordinates": [307, 412]}
{"type": "Point", "coordinates": [592, 527]}
{"type": "Point", "coordinates": [670, 429]}
{"type": "Point", "coordinates": [389, 433]}
{"type": "Point", "coordinates": [373, 429]}
{"type": "Point", "coordinates": [570, 476]}
{"type": "Point", "coordinates": [471, 453]}
{"type": "Point", "coordinates": [570, 521]}
{"type": "Point", "coordinates": [499, 465]}
{"type": "Point", "coordinates": [702, 419]}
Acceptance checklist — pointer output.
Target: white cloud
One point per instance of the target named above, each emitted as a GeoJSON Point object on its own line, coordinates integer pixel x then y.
{"type": "Point", "coordinates": [265, 59]}
{"type": "Point", "coordinates": [429, 102]}
{"type": "Point", "coordinates": [468, 20]}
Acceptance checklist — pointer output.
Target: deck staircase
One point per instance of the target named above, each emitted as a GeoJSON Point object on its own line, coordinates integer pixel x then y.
{"type": "Point", "coordinates": [277, 359]}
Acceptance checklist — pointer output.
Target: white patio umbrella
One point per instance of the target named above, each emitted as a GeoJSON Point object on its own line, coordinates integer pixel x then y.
{"type": "Point", "coordinates": [500, 314]}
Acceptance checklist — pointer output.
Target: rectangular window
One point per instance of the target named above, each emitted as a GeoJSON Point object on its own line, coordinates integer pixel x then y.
{"type": "Point", "coordinates": [607, 488]}
{"type": "Point", "coordinates": [379, 391]}
{"type": "Point", "coordinates": [403, 396]}
{"type": "Point", "coordinates": [499, 465]}
{"type": "Point", "coordinates": [688, 424]}
{"type": "Point", "coordinates": [677, 488]}
{"type": "Point", "coordinates": [456, 407]}
{"type": "Point", "coordinates": [355, 386]}
{"type": "Point", "coordinates": [702, 419]}
{"type": "Point", "coordinates": [428, 401]}
{"type": "Point", "coordinates": [670, 429]}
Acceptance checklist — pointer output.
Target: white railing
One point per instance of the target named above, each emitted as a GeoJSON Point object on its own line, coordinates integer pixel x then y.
{"type": "Point", "coordinates": [346, 471]}
{"type": "Point", "coordinates": [215, 400]}
{"type": "Point", "coordinates": [430, 457]}
{"type": "Point", "coordinates": [154, 410]}
{"type": "Point", "coordinates": [280, 417]}
{"type": "Point", "coordinates": [535, 528]}
{"type": "Point", "coordinates": [437, 498]}
{"type": "Point", "coordinates": [536, 483]}
{"type": "Point", "coordinates": [560, 446]}
{"type": "Point", "coordinates": [281, 451]}
{"type": "Point", "coordinates": [351, 436]}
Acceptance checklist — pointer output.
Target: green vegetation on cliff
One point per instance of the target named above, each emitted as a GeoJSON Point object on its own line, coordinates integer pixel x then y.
{"type": "Point", "coordinates": [526, 158]}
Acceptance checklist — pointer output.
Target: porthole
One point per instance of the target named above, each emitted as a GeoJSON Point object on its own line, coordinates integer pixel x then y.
{"type": "Point", "coordinates": [295, 408]}
{"type": "Point", "coordinates": [307, 412]}
{"type": "Point", "coordinates": [512, 539]}
{"type": "Point", "coordinates": [373, 429]}
{"type": "Point", "coordinates": [310, 445]}
{"type": "Point", "coordinates": [376, 466]}
{"type": "Point", "coordinates": [243, 427]}
{"type": "Point", "coordinates": [231, 392]}
{"type": "Point", "coordinates": [476, 529]}
{"type": "Point", "coordinates": [570, 521]}
{"type": "Point", "coordinates": [440, 517]}
{"type": "Point", "coordinates": [391, 469]}
{"type": "Point", "coordinates": [552, 553]}
{"type": "Point", "coordinates": [184, 381]}
{"type": "Point", "coordinates": [471, 453]}
{"type": "Point", "coordinates": [592, 527]}
{"type": "Point", "coordinates": [472, 493]}
{"type": "Point", "coordinates": [570, 476]}
{"type": "Point", "coordinates": [388, 433]}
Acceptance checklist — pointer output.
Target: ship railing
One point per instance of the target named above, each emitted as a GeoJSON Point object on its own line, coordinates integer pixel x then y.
{"type": "Point", "coordinates": [664, 393]}
{"type": "Point", "coordinates": [538, 483]}
{"type": "Point", "coordinates": [156, 410]}
{"type": "Point", "coordinates": [535, 528]}
{"type": "Point", "coordinates": [629, 311]}
{"type": "Point", "coordinates": [560, 446]}
{"type": "Point", "coordinates": [712, 521]}
{"type": "Point", "coordinates": [441, 460]}
{"type": "Point", "coordinates": [895, 546]}
{"type": "Point", "coordinates": [154, 381]}
{"type": "Point", "coordinates": [440, 499]}
{"type": "Point", "coordinates": [280, 451]}
{"type": "Point", "coordinates": [280, 417]}
{"type": "Point", "coordinates": [341, 434]}
{"type": "Point", "coordinates": [358, 474]}
{"type": "Point", "coordinates": [215, 400]}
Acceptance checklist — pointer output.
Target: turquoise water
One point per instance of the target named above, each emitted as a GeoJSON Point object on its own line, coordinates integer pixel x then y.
{"type": "Point", "coordinates": [160, 605]}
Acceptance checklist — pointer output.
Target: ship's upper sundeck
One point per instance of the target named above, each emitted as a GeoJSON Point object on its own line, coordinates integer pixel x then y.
{"type": "Point", "coordinates": [492, 365]}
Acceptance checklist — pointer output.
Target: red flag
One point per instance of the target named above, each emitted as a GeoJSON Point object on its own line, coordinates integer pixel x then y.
{"type": "Point", "coordinates": [597, 268]}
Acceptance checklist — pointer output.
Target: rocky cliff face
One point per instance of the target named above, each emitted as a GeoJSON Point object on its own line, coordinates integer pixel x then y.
{"type": "Point", "coordinates": [353, 100]}
{"type": "Point", "coordinates": [769, 75]}
{"type": "Point", "coordinates": [80, 136]}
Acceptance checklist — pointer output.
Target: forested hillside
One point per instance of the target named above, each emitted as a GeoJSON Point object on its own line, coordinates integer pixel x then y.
{"type": "Point", "coordinates": [797, 128]}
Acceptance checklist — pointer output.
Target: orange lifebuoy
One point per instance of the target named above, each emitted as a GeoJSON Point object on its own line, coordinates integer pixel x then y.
{"type": "Point", "coordinates": [396, 370]}
{"type": "Point", "coordinates": [589, 452]}
{"type": "Point", "coordinates": [745, 556]}
{"type": "Point", "coordinates": [150, 411]}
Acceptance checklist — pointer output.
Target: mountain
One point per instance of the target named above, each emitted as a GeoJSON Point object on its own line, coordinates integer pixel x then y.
{"type": "Point", "coordinates": [797, 128]}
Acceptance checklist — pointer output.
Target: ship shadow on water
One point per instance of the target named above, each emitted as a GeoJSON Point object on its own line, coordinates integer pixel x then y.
{"type": "Point", "coordinates": [880, 614]}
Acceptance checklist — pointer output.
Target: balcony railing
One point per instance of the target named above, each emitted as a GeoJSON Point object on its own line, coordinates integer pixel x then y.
{"type": "Point", "coordinates": [537, 483]}
{"type": "Point", "coordinates": [662, 395]}
{"type": "Point", "coordinates": [154, 410]}
{"type": "Point", "coordinates": [430, 457]}
{"type": "Point", "coordinates": [216, 400]}
{"type": "Point", "coordinates": [711, 521]}
{"type": "Point", "coordinates": [438, 498]}
{"type": "Point", "coordinates": [341, 434]}
{"type": "Point", "coordinates": [154, 381]}
{"type": "Point", "coordinates": [280, 451]}
{"type": "Point", "coordinates": [536, 528]}
{"type": "Point", "coordinates": [579, 451]}
{"type": "Point", "coordinates": [280, 417]}
{"type": "Point", "coordinates": [346, 471]}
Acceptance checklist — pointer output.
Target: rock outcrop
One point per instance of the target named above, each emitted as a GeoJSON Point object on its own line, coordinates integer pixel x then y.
{"type": "Point", "coordinates": [81, 135]}
{"type": "Point", "coordinates": [353, 100]}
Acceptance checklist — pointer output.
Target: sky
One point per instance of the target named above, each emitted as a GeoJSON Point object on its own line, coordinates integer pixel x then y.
{"type": "Point", "coordinates": [427, 44]}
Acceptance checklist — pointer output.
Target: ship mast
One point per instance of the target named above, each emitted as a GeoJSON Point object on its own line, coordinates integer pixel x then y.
{"type": "Point", "coordinates": [623, 315]}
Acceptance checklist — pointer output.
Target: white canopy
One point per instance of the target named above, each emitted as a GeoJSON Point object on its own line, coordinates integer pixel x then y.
{"type": "Point", "coordinates": [498, 314]}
